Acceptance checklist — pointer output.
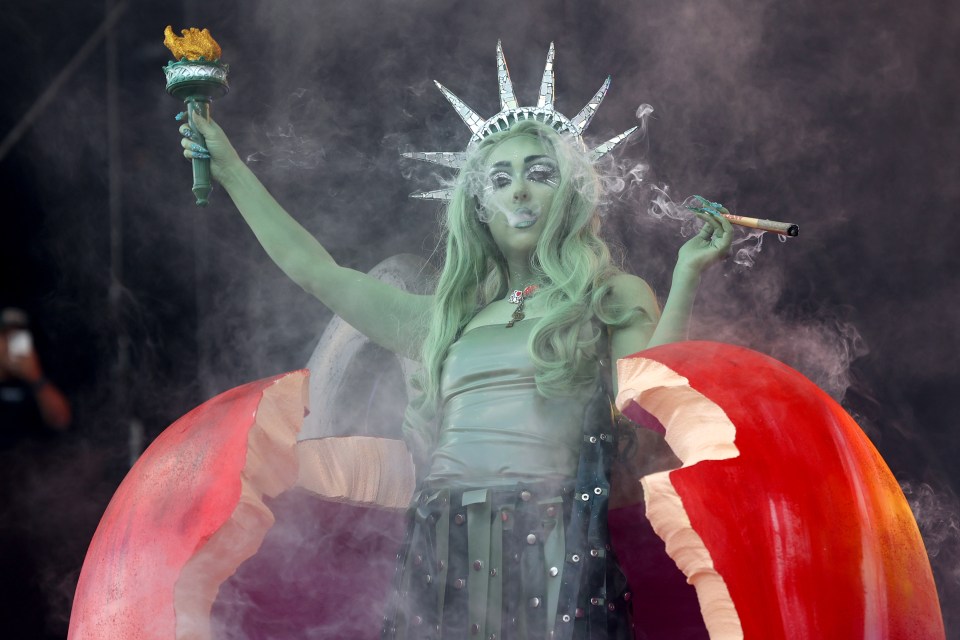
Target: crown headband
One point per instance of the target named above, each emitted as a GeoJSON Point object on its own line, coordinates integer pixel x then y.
{"type": "Point", "coordinates": [511, 113]}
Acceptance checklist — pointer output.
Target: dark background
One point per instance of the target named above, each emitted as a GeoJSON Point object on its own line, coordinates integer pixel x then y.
{"type": "Point", "coordinates": [841, 117]}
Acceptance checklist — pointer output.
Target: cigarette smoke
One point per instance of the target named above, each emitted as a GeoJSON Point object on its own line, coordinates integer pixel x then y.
{"type": "Point", "coordinates": [811, 112]}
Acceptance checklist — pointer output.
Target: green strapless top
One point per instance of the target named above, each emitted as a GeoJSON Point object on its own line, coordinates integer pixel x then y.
{"type": "Point", "coordinates": [495, 428]}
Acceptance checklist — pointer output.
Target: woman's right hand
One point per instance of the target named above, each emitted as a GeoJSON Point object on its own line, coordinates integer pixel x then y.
{"type": "Point", "coordinates": [214, 145]}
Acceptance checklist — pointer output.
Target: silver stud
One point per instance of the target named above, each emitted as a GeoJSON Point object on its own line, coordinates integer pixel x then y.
{"type": "Point", "coordinates": [594, 601]}
{"type": "Point", "coordinates": [459, 518]}
{"type": "Point", "coordinates": [532, 538]}
{"type": "Point", "coordinates": [493, 572]}
{"type": "Point", "coordinates": [598, 491]}
{"type": "Point", "coordinates": [551, 511]}
{"type": "Point", "coordinates": [593, 439]}
{"type": "Point", "coordinates": [584, 496]}
{"type": "Point", "coordinates": [417, 620]}
{"type": "Point", "coordinates": [442, 565]}
{"type": "Point", "coordinates": [474, 628]}
{"type": "Point", "coordinates": [594, 553]}
{"type": "Point", "coordinates": [554, 572]}
{"type": "Point", "coordinates": [575, 558]}
{"type": "Point", "coordinates": [566, 617]}
{"type": "Point", "coordinates": [428, 579]}
{"type": "Point", "coordinates": [477, 565]}
{"type": "Point", "coordinates": [525, 496]}
{"type": "Point", "coordinates": [627, 595]}
{"type": "Point", "coordinates": [459, 583]}
{"type": "Point", "coordinates": [534, 602]}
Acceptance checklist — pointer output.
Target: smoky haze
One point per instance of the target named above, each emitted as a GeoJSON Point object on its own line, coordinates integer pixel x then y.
{"type": "Point", "coordinates": [840, 117]}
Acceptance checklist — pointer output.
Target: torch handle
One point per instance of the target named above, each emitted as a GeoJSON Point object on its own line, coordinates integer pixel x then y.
{"type": "Point", "coordinates": [199, 106]}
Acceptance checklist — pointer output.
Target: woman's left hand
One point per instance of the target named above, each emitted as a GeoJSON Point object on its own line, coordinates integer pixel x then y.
{"type": "Point", "coordinates": [710, 245]}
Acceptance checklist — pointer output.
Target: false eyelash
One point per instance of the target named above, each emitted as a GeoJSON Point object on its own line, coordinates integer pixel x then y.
{"type": "Point", "coordinates": [543, 173]}
{"type": "Point", "coordinates": [500, 175]}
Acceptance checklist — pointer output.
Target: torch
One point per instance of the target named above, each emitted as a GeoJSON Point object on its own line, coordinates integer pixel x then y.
{"type": "Point", "coordinates": [715, 208]}
{"type": "Point", "coordinates": [196, 77]}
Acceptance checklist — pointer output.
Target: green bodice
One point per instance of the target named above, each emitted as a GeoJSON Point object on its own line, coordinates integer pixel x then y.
{"type": "Point", "coordinates": [496, 429]}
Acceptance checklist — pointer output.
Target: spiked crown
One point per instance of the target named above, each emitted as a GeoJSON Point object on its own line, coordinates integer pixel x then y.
{"type": "Point", "coordinates": [510, 113]}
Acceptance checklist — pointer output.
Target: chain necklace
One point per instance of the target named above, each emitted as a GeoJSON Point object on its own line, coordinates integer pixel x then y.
{"type": "Point", "coordinates": [518, 297]}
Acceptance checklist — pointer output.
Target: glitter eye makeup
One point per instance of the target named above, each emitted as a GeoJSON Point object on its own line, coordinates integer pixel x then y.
{"type": "Point", "coordinates": [540, 169]}
{"type": "Point", "coordinates": [500, 179]}
{"type": "Point", "coordinates": [542, 172]}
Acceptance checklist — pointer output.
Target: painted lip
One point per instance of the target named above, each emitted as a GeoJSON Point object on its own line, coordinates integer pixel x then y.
{"type": "Point", "coordinates": [523, 218]}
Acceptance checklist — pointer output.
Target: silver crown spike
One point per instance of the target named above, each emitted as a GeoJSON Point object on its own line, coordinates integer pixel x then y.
{"type": "Point", "coordinates": [440, 194]}
{"type": "Point", "coordinates": [508, 100]}
{"type": "Point", "coordinates": [510, 113]}
{"type": "Point", "coordinates": [454, 159]}
{"type": "Point", "coordinates": [468, 115]}
{"type": "Point", "coordinates": [545, 101]}
{"type": "Point", "coordinates": [610, 144]}
{"type": "Point", "coordinates": [582, 120]}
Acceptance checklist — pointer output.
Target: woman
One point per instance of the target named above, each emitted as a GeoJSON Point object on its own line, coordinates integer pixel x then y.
{"type": "Point", "coordinates": [508, 535]}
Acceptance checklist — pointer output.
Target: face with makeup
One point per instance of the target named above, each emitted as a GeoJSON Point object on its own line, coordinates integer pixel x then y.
{"type": "Point", "coordinates": [520, 184]}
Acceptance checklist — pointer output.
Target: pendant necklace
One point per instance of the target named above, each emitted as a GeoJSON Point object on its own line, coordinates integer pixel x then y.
{"type": "Point", "coordinates": [518, 297]}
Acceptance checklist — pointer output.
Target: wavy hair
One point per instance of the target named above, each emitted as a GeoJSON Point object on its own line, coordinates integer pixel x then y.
{"type": "Point", "coordinates": [571, 261]}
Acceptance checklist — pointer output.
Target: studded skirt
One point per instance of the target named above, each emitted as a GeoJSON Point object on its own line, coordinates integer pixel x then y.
{"type": "Point", "coordinates": [526, 562]}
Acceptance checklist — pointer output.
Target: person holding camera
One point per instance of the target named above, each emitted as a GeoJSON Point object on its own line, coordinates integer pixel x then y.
{"type": "Point", "coordinates": [29, 402]}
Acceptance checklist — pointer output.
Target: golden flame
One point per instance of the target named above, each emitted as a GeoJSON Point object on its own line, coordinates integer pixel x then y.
{"type": "Point", "coordinates": [193, 45]}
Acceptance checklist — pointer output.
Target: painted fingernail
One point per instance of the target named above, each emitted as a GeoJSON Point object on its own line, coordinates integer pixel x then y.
{"type": "Point", "coordinates": [197, 148]}
{"type": "Point", "coordinates": [187, 132]}
{"type": "Point", "coordinates": [199, 155]}
{"type": "Point", "coordinates": [180, 116]}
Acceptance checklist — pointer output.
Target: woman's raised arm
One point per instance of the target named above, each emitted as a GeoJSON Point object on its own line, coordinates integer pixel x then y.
{"type": "Point", "coordinates": [696, 255]}
{"type": "Point", "coordinates": [651, 327]}
{"type": "Point", "coordinates": [387, 315]}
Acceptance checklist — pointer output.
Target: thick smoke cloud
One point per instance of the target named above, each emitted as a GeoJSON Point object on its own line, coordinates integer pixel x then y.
{"type": "Point", "coordinates": [837, 117]}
